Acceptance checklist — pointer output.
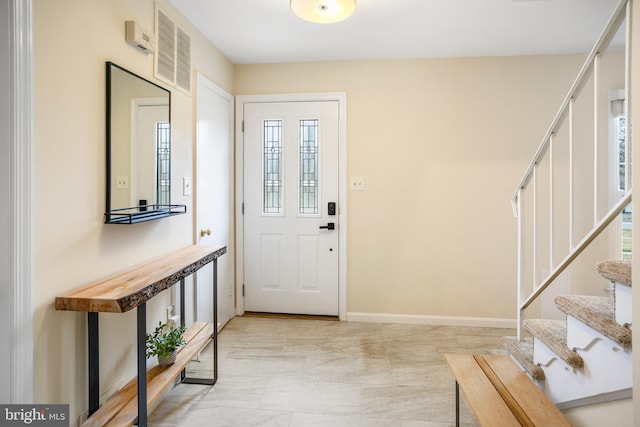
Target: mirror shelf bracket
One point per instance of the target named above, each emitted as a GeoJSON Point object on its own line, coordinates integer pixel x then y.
{"type": "Point", "coordinates": [129, 216]}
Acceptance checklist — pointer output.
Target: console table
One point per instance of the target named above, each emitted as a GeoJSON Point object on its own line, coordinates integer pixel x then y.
{"type": "Point", "coordinates": [130, 289]}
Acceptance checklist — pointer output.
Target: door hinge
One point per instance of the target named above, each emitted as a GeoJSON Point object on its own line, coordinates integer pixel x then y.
{"type": "Point", "coordinates": [243, 126]}
{"type": "Point", "coordinates": [242, 208]}
{"type": "Point", "coordinates": [243, 289]}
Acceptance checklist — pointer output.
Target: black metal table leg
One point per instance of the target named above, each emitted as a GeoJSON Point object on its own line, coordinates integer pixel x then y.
{"type": "Point", "coordinates": [94, 362]}
{"type": "Point", "coordinates": [142, 365]}
{"type": "Point", "coordinates": [214, 336]}
{"type": "Point", "coordinates": [182, 303]}
{"type": "Point", "coordinates": [457, 404]}
{"type": "Point", "coordinates": [182, 318]}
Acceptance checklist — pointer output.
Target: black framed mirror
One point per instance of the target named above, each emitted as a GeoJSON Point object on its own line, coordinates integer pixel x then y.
{"type": "Point", "coordinates": [138, 134]}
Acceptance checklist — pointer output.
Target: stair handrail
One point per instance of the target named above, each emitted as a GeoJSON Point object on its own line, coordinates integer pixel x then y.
{"type": "Point", "coordinates": [621, 11]}
{"type": "Point", "coordinates": [605, 37]}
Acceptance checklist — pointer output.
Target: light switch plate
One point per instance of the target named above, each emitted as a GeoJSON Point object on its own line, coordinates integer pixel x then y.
{"type": "Point", "coordinates": [186, 186]}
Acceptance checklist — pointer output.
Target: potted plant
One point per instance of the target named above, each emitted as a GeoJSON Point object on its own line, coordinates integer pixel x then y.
{"type": "Point", "coordinates": [164, 342]}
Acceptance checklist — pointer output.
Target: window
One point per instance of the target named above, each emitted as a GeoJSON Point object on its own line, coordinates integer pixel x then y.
{"type": "Point", "coordinates": [620, 129]}
{"type": "Point", "coordinates": [163, 160]}
{"type": "Point", "coordinates": [272, 167]}
{"type": "Point", "coordinates": [308, 172]}
{"type": "Point", "coordinates": [626, 233]}
{"type": "Point", "coordinates": [620, 155]}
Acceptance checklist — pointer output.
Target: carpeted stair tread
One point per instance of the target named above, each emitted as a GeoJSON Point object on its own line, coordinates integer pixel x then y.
{"type": "Point", "coordinates": [522, 351]}
{"type": "Point", "coordinates": [554, 334]}
{"type": "Point", "coordinates": [596, 312]}
{"type": "Point", "coordinates": [616, 271]}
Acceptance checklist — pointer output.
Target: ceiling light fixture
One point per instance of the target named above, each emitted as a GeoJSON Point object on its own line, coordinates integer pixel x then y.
{"type": "Point", "coordinates": [323, 11]}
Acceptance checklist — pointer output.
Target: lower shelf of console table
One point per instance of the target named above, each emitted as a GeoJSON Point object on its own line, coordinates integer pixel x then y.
{"type": "Point", "coordinates": [122, 408]}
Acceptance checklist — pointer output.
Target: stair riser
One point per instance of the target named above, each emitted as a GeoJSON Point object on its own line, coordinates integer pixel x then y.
{"type": "Point", "coordinates": [581, 336]}
{"type": "Point", "coordinates": [623, 304]}
{"type": "Point", "coordinates": [543, 355]}
{"type": "Point", "coordinates": [606, 369]}
{"type": "Point", "coordinates": [540, 383]}
{"type": "Point", "coordinates": [553, 334]}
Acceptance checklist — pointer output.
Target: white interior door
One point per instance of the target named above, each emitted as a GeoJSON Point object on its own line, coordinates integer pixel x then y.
{"type": "Point", "coordinates": [290, 179]}
{"type": "Point", "coordinates": [214, 196]}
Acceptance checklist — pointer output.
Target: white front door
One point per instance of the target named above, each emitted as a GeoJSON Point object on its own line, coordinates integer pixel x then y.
{"type": "Point", "coordinates": [214, 197]}
{"type": "Point", "coordinates": [291, 207]}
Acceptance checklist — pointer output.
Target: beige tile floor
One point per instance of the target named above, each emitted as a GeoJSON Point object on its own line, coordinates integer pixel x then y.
{"type": "Point", "coordinates": [297, 372]}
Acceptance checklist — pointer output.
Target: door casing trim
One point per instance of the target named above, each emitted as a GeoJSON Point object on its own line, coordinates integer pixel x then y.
{"type": "Point", "coordinates": [21, 216]}
{"type": "Point", "coordinates": [341, 98]}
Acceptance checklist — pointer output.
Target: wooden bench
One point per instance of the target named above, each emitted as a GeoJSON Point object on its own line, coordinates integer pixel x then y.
{"type": "Point", "coordinates": [500, 394]}
{"type": "Point", "coordinates": [122, 408]}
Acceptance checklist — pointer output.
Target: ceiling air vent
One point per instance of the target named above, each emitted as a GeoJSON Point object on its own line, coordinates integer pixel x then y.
{"type": "Point", "coordinates": [173, 55]}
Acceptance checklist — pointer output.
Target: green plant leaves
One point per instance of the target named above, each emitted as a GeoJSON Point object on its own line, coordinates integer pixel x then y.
{"type": "Point", "coordinates": [164, 340]}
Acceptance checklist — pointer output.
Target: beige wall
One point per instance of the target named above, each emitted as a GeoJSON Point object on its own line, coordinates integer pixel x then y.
{"type": "Point", "coordinates": [441, 144]}
{"type": "Point", "coordinates": [72, 246]}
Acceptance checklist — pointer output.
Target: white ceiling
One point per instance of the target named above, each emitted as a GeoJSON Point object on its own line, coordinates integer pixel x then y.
{"type": "Point", "coordinates": [266, 31]}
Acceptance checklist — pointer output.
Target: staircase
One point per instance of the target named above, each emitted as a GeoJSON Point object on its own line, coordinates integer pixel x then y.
{"type": "Point", "coordinates": [586, 358]}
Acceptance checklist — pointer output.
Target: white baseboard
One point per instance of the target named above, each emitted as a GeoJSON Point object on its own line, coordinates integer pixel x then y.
{"type": "Point", "coordinates": [484, 322]}
{"type": "Point", "coordinates": [613, 396]}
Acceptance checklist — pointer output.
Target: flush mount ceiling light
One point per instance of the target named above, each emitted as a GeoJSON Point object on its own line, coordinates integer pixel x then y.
{"type": "Point", "coordinates": [323, 11]}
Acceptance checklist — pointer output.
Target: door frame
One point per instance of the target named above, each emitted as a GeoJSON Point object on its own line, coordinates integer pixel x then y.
{"type": "Point", "coordinates": [339, 97]}
{"type": "Point", "coordinates": [20, 139]}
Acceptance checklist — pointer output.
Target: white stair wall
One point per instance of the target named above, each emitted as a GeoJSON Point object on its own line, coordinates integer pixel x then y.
{"type": "Point", "coordinates": [623, 303]}
{"type": "Point", "coordinates": [607, 365]}
{"type": "Point", "coordinates": [607, 369]}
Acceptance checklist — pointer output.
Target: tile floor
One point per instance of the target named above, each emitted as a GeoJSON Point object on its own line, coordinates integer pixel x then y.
{"type": "Point", "coordinates": [297, 372]}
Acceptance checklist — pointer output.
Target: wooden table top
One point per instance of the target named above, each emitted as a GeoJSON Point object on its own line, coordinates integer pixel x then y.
{"type": "Point", "coordinates": [134, 286]}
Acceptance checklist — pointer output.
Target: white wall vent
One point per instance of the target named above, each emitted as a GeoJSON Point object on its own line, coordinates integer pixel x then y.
{"type": "Point", "coordinates": [173, 54]}
{"type": "Point", "coordinates": [183, 60]}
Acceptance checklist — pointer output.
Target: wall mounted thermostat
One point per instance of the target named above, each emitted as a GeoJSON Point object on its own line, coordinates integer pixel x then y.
{"type": "Point", "coordinates": [137, 36]}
